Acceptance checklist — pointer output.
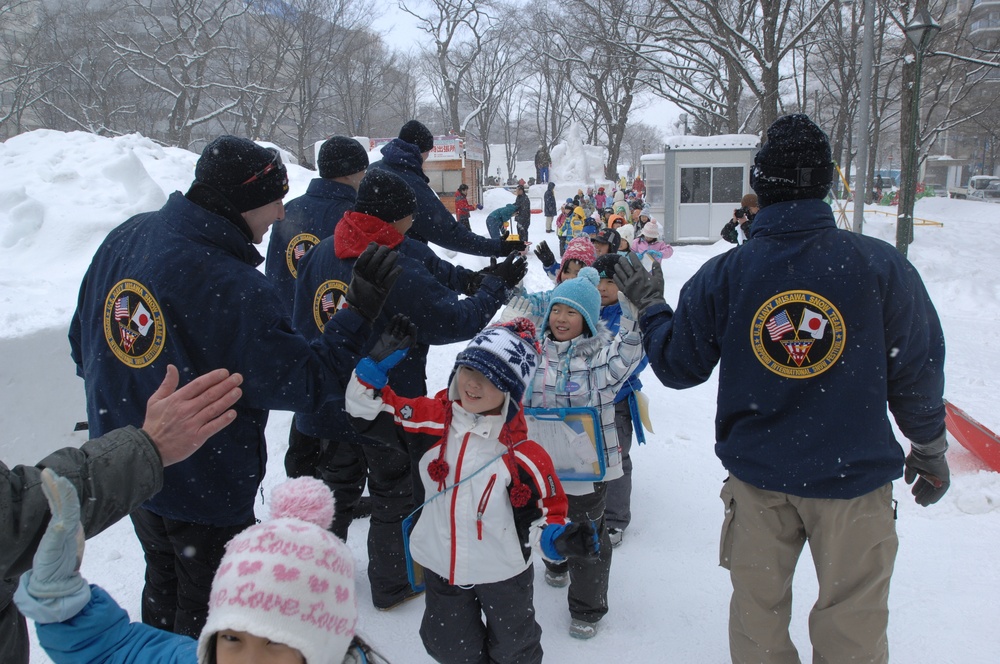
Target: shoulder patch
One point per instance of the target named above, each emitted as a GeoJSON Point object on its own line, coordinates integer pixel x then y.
{"type": "Point", "coordinates": [133, 324]}
{"type": "Point", "coordinates": [329, 298]}
{"type": "Point", "coordinates": [797, 334]}
{"type": "Point", "coordinates": [296, 249]}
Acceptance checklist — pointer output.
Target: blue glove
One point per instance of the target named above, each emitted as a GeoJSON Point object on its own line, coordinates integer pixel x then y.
{"type": "Point", "coordinates": [574, 540]}
{"type": "Point", "coordinates": [479, 207]}
{"type": "Point", "coordinates": [53, 590]}
{"type": "Point", "coordinates": [388, 351]}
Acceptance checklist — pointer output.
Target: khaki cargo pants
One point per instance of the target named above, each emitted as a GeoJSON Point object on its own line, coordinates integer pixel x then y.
{"type": "Point", "coordinates": [853, 544]}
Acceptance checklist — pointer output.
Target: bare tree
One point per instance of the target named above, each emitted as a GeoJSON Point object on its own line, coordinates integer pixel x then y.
{"type": "Point", "coordinates": [364, 81]}
{"type": "Point", "coordinates": [607, 71]}
{"type": "Point", "coordinates": [22, 70]}
{"type": "Point", "coordinates": [458, 30]}
{"type": "Point", "coordinates": [175, 48]}
{"type": "Point", "coordinates": [753, 38]}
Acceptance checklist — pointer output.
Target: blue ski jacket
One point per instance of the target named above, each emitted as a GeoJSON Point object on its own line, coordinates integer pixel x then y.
{"type": "Point", "coordinates": [308, 219]}
{"type": "Point", "coordinates": [432, 222]}
{"type": "Point", "coordinates": [180, 286]}
{"type": "Point", "coordinates": [815, 330]}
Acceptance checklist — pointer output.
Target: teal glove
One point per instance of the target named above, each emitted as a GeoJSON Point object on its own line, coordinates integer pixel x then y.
{"type": "Point", "coordinates": [53, 590]}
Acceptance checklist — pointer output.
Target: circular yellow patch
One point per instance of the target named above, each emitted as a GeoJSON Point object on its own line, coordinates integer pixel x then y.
{"type": "Point", "coordinates": [329, 299]}
{"type": "Point", "coordinates": [133, 324]}
{"type": "Point", "coordinates": [296, 249]}
{"type": "Point", "coordinates": [797, 334]}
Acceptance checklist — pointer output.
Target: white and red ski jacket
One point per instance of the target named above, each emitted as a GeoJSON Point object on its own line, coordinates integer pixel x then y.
{"type": "Point", "coordinates": [469, 532]}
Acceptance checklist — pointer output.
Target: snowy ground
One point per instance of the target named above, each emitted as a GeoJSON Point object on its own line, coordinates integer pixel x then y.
{"type": "Point", "coordinates": [61, 193]}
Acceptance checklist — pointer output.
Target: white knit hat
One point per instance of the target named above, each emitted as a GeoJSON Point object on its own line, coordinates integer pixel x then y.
{"type": "Point", "coordinates": [627, 232]}
{"type": "Point", "coordinates": [651, 229]}
{"type": "Point", "coordinates": [288, 579]}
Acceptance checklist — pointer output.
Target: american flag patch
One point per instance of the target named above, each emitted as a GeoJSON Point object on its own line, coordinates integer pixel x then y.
{"type": "Point", "coordinates": [121, 308]}
{"type": "Point", "coordinates": [779, 325]}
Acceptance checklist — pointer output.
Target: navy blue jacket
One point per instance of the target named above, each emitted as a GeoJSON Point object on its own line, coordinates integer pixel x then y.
{"type": "Point", "coordinates": [180, 286]}
{"type": "Point", "coordinates": [549, 201]}
{"type": "Point", "coordinates": [427, 291]}
{"type": "Point", "coordinates": [308, 219]}
{"type": "Point", "coordinates": [815, 329]}
{"type": "Point", "coordinates": [432, 221]}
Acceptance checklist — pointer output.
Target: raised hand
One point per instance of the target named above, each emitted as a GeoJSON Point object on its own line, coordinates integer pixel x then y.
{"type": "Point", "coordinates": [53, 590]}
{"type": "Point", "coordinates": [390, 349]}
{"type": "Point", "coordinates": [375, 271]}
{"type": "Point", "coordinates": [180, 421]}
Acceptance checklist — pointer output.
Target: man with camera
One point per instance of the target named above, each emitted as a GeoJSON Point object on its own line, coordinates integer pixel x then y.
{"type": "Point", "coordinates": [737, 230]}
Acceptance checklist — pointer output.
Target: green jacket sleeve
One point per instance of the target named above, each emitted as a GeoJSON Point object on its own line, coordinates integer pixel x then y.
{"type": "Point", "coordinates": [113, 474]}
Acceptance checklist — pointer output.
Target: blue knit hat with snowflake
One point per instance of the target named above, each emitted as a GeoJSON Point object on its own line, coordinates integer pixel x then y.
{"type": "Point", "coordinates": [580, 293]}
{"type": "Point", "coordinates": [506, 353]}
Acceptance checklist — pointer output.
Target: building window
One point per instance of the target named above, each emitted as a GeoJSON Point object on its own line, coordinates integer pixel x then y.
{"type": "Point", "coordinates": [721, 184]}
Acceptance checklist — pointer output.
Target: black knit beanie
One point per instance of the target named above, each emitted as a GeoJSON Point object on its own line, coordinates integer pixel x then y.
{"type": "Point", "coordinates": [415, 133]}
{"type": "Point", "coordinates": [248, 175]}
{"type": "Point", "coordinates": [385, 195]}
{"type": "Point", "coordinates": [340, 156]}
{"type": "Point", "coordinates": [795, 163]}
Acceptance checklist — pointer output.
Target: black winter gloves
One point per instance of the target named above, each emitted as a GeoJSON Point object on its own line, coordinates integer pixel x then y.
{"type": "Point", "coordinates": [642, 288]}
{"type": "Point", "coordinates": [508, 246]}
{"type": "Point", "coordinates": [545, 254]}
{"type": "Point", "coordinates": [927, 465]}
{"type": "Point", "coordinates": [511, 271]}
{"type": "Point", "coordinates": [374, 273]}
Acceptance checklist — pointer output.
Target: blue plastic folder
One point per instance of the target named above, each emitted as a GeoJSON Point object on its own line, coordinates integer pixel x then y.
{"type": "Point", "coordinates": [414, 571]}
{"type": "Point", "coordinates": [573, 438]}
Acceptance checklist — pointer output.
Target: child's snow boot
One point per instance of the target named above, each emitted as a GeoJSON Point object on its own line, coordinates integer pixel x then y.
{"type": "Point", "coordinates": [580, 629]}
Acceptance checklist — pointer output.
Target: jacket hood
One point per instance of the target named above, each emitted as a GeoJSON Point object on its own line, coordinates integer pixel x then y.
{"type": "Point", "coordinates": [403, 155]}
{"type": "Point", "coordinates": [356, 230]}
{"type": "Point", "coordinates": [552, 185]}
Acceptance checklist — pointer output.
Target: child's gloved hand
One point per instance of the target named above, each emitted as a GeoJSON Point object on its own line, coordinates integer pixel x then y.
{"type": "Point", "coordinates": [53, 590]}
{"type": "Point", "coordinates": [628, 307]}
{"type": "Point", "coordinates": [574, 540]}
{"type": "Point", "coordinates": [545, 254]}
{"type": "Point", "coordinates": [479, 207]}
{"type": "Point", "coordinates": [388, 351]}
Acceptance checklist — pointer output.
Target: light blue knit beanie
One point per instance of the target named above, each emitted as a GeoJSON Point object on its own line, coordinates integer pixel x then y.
{"type": "Point", "coordinates": [581, 294]}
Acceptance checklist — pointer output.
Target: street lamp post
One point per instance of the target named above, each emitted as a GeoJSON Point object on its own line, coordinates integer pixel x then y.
{"type": "Point", "coordinates": [921, 30]}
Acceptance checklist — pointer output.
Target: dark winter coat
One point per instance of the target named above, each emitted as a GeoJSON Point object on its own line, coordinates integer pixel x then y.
{"type": "Point", "coordinates": [113, 474]}
{"type": "Point", "coordinates": [807, 416]}
{"type": "Point", "coordinates": [427, 291]}
{"type": "Point", "coordinates": [308, 219]}
{"type": "Point", "coordinates": [432, 221]}
{"type": "Point", "coordinates": [549, 201]}
{"type": "Point", "coordinates": [196, 300]}
{"type": "Point", "coordinates": [523, 215]}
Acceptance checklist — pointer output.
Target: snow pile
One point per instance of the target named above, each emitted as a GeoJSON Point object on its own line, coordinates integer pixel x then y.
{"type": "Point", "coordinates": [61, 193]}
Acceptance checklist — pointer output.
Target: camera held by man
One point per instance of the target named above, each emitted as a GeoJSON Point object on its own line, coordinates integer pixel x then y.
{"type": "Point", "coordinates": [737, 229]}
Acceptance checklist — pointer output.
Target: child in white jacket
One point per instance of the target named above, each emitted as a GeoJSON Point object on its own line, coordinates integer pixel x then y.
{"type": "Point", "coordinates": [489, 494]}
{"type": "Point", "coordinates": [583, 365]}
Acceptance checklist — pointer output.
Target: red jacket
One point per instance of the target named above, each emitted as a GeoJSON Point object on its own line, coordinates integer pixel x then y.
{"type": "Point", "coordinates": [462, 206]}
